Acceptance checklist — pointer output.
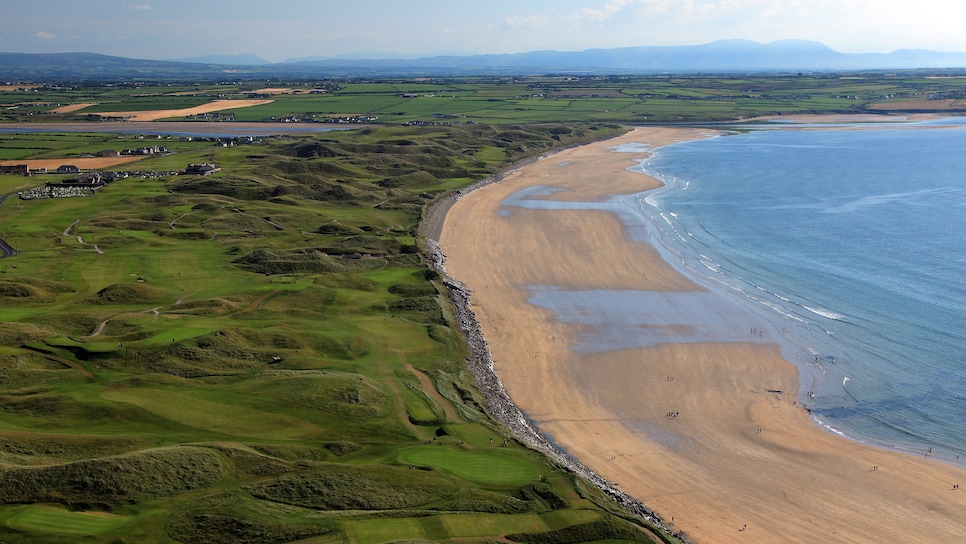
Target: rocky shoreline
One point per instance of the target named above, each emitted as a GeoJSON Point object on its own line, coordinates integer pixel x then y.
{"type": "Point", "coordinates": [480, 364]}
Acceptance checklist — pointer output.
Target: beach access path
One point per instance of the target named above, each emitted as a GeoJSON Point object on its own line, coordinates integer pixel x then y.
{"type": "Point", "coordinates": [740, 460]}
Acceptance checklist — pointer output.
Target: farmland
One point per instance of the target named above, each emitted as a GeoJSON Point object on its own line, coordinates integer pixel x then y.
{"type": "Point", "coordinates": [625, 99]}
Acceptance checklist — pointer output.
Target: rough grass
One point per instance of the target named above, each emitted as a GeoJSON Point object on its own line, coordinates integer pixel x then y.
{"type": "Point", "coordinates": [31, 290]}
{"type": "Point", "coordinates": [250, 463]}
{"type": "Point", "coordinates": [422, 309]}
{"type": "Point", "coordinates": [346, 281]}
{"type": "Point", "coordinates": [292, 452]}
{"type": "Point", "coordinates": [227, 529]}
{"type": "Point", "coordinates": [606, 529]}
{"type": "Point", "coordinates": [268, 261]}
{"type": "Point", "coordinates": [414, 290]}
{"type": "Point", "coordinates": [345, 348]}
{"type": "Point", "coordinates": [346, 487]}
{"type": "Point", "coordinates": [351, 396]}
{"type": "Point", "coordinates": [130, 293]}
{"type": "Point", "coordinates": [13, 333]}
{"type": "Point", "coordinates": [112, 481]}
{"type": "Point", "coordinates": [20, 448]}
{"type": "Point", "coordinates": [207, 307]}
{"type": "Point", "coordinates": [66, 323]}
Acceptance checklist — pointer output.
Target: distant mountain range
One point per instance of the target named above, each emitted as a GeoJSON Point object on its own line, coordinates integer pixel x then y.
{"type": "Point", "coordinates": [719, 56]}
{"type": "Point", "coordinates": [242, 59]}
{"type": "Point", "coordinates": [726, 56]}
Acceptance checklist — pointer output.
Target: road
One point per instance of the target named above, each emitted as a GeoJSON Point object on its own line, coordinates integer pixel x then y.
{"type": "Point", "coordinates": [5, 249]}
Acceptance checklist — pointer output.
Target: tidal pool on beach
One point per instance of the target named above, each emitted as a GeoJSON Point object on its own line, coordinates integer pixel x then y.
{"type": "Point", "coordinates": [626, 319]}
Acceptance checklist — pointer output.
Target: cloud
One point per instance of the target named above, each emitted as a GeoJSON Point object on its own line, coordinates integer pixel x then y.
{"type": "Point", "coordinates": [141, 7]}
{"type": "Point", "coordinates": [45, 35]}
{"type": "Point", "coordinates": [606, 13]}
{"type": "Point", "coordinates": [526, 21]}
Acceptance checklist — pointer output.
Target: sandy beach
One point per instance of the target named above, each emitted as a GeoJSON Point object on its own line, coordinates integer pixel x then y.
{"type": "Point", "coordinates": [740, 460]}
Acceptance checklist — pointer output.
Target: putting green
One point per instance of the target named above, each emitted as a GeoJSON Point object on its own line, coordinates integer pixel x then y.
{"type": "Point", "coordinates": [49, 519]}
{"type": "Point", "coordinates": [484, 467]}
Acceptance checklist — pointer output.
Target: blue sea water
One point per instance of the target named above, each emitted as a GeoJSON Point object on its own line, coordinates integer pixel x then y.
{"type": "Point", "coordinates": [852, 244]}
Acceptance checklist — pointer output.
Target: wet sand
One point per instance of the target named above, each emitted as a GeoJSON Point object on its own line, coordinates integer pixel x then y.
{"type": "Point", "coordinates": [738, 451]}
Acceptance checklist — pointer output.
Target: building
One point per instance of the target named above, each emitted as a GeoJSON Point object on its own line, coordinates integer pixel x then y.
{"type": "Point", "coordinates": [203, 169]}
{"type": "Point", "coordinates": [15, 169]}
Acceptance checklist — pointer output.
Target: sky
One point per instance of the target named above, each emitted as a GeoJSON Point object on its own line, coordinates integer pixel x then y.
{"type": "Point", "coordinates": [277, 30]}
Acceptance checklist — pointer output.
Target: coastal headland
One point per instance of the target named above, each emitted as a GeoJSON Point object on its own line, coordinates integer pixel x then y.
{"type": "Point", "coordinates": [706, 434]}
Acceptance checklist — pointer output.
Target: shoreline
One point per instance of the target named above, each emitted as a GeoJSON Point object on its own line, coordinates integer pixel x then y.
{"type": "Point", "coordinates": [480, 361]}
{"type": "Point", "coordinates": [690, 478]}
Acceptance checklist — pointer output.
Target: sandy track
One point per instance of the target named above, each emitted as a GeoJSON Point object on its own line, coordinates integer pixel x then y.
{"type": "Point", "coordinates": [710, 470]}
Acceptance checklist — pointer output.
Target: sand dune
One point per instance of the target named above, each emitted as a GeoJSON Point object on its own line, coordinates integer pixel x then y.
{"type": "Point", "coordinates": [740, 453]}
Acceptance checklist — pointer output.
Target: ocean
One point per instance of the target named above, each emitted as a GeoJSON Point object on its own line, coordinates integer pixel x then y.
{"type": "Point", "coordinates": [851, 244]}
